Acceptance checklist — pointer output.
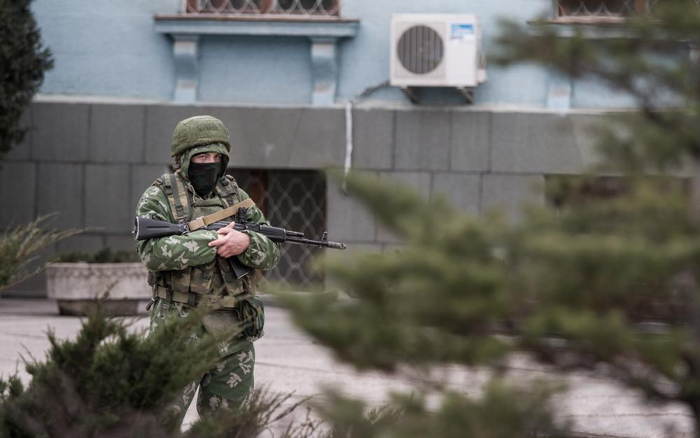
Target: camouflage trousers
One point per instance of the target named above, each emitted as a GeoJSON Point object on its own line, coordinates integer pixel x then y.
{"type": "Point", "coordinates": [227, 385]}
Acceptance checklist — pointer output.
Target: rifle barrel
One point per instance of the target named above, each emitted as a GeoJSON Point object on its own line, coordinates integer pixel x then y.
{"type": "Point", "coordinates": [319, 243]}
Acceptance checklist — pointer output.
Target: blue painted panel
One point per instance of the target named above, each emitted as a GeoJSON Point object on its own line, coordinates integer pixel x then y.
{"type": "Point", "coordinates": [107, 48]}
{"type": "Point", "coordinates": [110, 48]}
{"type": "Point", "coordinates": [255, 70]}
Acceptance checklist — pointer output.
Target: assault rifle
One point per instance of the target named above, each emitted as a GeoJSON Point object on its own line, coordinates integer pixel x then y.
{"type": "Point", "coordinates": [146, 228]}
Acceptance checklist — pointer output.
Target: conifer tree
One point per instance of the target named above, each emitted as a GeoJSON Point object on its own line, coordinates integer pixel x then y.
{"type": "Point", "coordinates": [24, 61]}
{"type": "Point", "coordinates": [608, 285]}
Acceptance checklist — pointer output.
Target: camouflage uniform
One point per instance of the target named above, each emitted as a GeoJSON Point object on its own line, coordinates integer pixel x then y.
{"type": "Point", "coordinates": [186, 271]}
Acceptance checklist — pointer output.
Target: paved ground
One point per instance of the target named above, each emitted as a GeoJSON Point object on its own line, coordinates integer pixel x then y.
{"type": "Point", "coordinates": [290, 362]}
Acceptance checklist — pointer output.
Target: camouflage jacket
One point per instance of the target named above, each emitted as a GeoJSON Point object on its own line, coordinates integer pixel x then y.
{"type": "Point", "coordinates": [186, 263]}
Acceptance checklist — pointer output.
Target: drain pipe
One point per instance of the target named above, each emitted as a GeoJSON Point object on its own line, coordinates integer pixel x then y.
{"type": "Point", "coordinates": [349, 137]}
{"type": "Point", "coordinates": [348, 144]}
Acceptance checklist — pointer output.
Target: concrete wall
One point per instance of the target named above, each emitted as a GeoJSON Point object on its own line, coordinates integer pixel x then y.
{"type": "Point", "coordinates": [89, 162]}
{"type": "Point", "coordinates": [111, 49]}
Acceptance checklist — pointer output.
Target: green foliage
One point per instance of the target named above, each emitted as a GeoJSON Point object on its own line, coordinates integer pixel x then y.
{"type": "Point", "coordinates": [119, 382]}
{"type": "Point", "coordinates": [607, 284]}
{"type": "Point", "coordinates": [20, 246]}
{"type": "Point", "coordinates": [108, 379]}
{"type": "Point", "coordinates": [575, 287]}
{"type": "Point", "coordinates": [653, 64]}
{"type": "Point", "coordinates": [261, 411]}
{"type": "Point", "coordinates": [391, 288]}
{"type": "Point", "coordinates": [502, 412]}
{"type": "Point", "coordinates": [590, 273]}
{"type": "Point", "coordinates": [24, 62]}
{"type": "Point", "coordinates": [105, 255]}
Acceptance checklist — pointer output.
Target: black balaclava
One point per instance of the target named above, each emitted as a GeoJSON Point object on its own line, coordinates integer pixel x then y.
{"type": "Point", "coordinates": [203, 177]}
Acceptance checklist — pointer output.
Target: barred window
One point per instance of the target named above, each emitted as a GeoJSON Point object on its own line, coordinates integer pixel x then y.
{"type": "Point", "coordinates": [271, 7]}
{"type": "Point", "coordinates": [292, 199]}
{"type": "Point", "coordinates": [600, 8]}
{"type": "Point", "coordinates": [607, 10]}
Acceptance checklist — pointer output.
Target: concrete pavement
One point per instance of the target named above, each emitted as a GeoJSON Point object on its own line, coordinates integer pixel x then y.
{"type": "Point", "coordinates": [290, 362]}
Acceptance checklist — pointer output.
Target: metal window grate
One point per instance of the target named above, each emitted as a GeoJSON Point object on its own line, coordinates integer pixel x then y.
{"type": "Point", "coordinates": [272, 7]}
{"type": "Point", "coordinates": [293, 199]}
{"type": "Point", "coordinates": [597, 8]}
{"type": "Point", "coordinates": [606, 8]}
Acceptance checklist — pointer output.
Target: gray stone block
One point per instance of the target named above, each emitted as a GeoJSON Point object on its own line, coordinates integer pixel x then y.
{"type": "Point", "coordinates": [86, 243]}
{"type": "Point", "coordinates": [22, 151]}
{"type": "Point", "coordinates": [534, 143]}
{"type": "Point", "coordinates": [583, 126]}
{"type": "Point", "coordinates": [117, 133]}
{"type": "Point", "coordinates": [470, 141]}
{"type": "Point", "coordinates": [260, 137]}
{"type": "Point", "coordinates": [461, 190]}
{"type": "Point", "coordinates": [17, 193]}
{"type": "Point", "coordinates": [160, 122]}
{"type": "Point", "coordinates": [121, 243]}
{"type": "Point", "coordinates": [509, 193]}
{"type": "Point", "coordinates": [32, 287]}
{"type": "Point", "coordinates": [60, 131]}
{"type": "Point", "coordinates": [373, 138]}
{"type": "Point", "coordinates": [418, 181]}
{"type": "Point", "coordinates": [319, 141]}
{"type": "Point", "coordinates": [107, 198]}
{"type": "Point", "coordinates": [348, 220]}
{"type": "Point", "coordinates": [289, 137]}
{"type": "Point", "coordinates": [422, 140]}
{"type": "Point", "coordinates": [60, 190]}
{"type": "Point", "coordinates": [142, 176]}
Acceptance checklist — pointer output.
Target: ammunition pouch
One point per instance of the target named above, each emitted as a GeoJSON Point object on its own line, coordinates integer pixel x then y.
{"type": "Point", "coordinates": [250, 311]}
{"type": "Point", "coordinates": [214, 302]}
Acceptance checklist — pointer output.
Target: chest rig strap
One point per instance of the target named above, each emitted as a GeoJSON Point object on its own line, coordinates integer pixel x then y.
{"type": "Point", "coordinates": [178, 197]}
{"type": "Point", "coordinates": [209, 219]}
{"type": "Point", "coordinates": [227, 189]}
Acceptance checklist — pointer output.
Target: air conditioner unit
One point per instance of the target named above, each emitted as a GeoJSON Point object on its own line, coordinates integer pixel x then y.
{"type": "Point", "coordinates": [436, 50]}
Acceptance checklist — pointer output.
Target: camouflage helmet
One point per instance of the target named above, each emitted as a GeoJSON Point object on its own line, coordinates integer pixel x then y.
{"type": "Point", "coordinates": [196, 131]}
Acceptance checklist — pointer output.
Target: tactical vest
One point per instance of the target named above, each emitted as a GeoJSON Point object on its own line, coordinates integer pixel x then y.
{"type": "Point", "coordinates": [197, 283]}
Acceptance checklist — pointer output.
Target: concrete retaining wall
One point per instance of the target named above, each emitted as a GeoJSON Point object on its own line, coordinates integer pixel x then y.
{"type": "Point", "coordinates": [91, 161]}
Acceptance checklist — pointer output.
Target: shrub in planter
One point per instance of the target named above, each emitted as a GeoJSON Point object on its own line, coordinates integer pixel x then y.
{"type": "Point", "coordinates": [76, 280]}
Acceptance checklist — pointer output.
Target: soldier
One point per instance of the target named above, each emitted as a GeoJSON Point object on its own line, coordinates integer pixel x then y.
{"type": "Point", "coordinates": [187, 270]}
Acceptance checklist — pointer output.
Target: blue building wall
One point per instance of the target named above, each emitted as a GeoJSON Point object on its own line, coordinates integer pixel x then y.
{"type": "Point", "coordinates": [106, 47]}
{"type": "Point", "coordinates": [109, 48]}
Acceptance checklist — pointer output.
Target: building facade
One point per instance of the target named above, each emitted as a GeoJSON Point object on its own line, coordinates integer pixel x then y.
{"type": "Point", "coordinates": [302, 85]}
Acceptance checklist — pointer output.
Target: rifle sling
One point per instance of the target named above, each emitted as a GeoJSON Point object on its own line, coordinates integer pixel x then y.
{"type": "Point", "coordinates": [204, 221]}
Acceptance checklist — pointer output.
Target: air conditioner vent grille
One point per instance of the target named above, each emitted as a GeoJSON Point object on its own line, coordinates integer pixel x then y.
{"type": "Point", "coordinates": [420, 49]}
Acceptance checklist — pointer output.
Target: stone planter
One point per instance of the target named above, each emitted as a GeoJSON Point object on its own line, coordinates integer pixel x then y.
{"type": "Point", "coordinates": [75, 286]}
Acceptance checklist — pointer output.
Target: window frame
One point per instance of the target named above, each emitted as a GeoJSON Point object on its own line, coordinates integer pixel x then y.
{"type": "Point", "coordinates": [640, 7]}
{"type": "Point", "coordinates": [258, 8]}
